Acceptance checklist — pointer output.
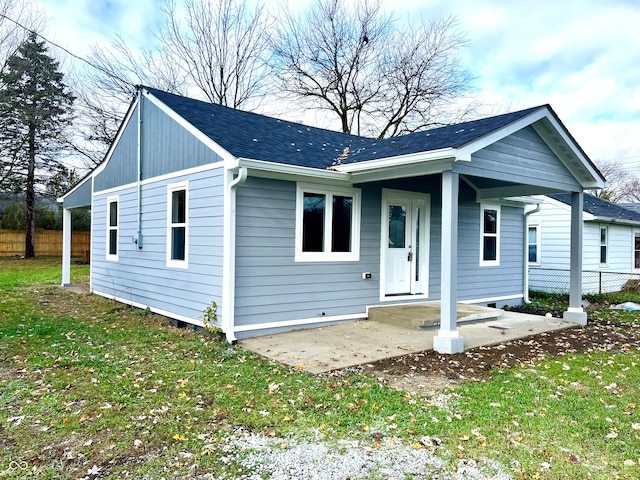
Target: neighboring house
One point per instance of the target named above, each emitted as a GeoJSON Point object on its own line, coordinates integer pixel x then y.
{"type": "Point", "coordinates": [286, 226]}
{"type": "Point", "coordinates": [611, 245]}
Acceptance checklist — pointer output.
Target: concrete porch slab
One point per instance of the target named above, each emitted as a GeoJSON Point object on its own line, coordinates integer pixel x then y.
{"type": "Point", "coordinates": [323, 349]}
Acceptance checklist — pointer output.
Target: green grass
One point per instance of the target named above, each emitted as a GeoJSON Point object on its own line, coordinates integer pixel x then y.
{"type": "Point", "coordinates": [86, 382]}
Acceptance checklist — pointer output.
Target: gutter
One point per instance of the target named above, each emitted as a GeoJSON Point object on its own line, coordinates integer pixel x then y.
{"type": "Point", "coordinates": [525, 293]}
{"type": "Point", "coordinates": [229, 259]}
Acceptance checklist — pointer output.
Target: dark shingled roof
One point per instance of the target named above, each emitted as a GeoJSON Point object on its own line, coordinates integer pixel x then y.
{"type": "Point", "coordinates": [600, 208]}
{"type": "Point", "coordinates": [257, 137]}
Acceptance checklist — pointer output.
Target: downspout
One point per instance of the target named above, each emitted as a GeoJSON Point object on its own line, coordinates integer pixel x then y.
{"type": "Point", "coordinates": [526, 253]}
{"type": "Point", "coordinates": [138, 238]}
{"type": "Point", "coordinates": [229, 268]}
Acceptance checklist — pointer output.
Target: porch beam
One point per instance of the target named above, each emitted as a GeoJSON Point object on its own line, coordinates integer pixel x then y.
{"type": "Point", "coordinates": [66, 247]}
{"type": "Point", "coordinates": [448, 339]}
{"type": "Point", "coordinates": [575, 313]}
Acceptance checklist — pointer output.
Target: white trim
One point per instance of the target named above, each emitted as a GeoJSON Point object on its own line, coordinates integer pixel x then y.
{"type": "Point", "coordinates": [404, 160]}
{"type": "Point", "coordinates": [424, 242]}
{"type": "Point", "coordinates": [176, 187]}
{"type": "Point", "coordinates": [264, 169]}
{"type": "Point", "coordinates": [605, 245]}
{"type": "Point", "coordinates": [498, 209]}
{"type": "Point", "coordinates": [180, 120]}
{"type": "Point", "coordinates": [492, 299]}
{"type": "Point", "coordinates": [166, 176]}
{"type": "Point", "coordinates": [391, 298]}
{"type": "Point", "coordinates": [142, 306]}
{"type": "Point", "coordinates": [327, 255]}
{"type": "Point", "coordinates": [113, 199]}
{"type": "Point", "coordinates": [535, 225]}
{"type": "Point", "coordinates": [634, 232]}
{"type": "Point", "coordinates": [66, 246]}
{"type": "Point", "coordinates": [300, 322]}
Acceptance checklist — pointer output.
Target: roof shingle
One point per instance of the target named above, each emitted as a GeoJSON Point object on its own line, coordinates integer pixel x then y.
{"type": "Point", "coordinates": [258, 137]}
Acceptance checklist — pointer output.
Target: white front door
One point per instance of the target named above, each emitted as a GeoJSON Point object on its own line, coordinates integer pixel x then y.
{"type": "Point", "coordinates": [405, 248]}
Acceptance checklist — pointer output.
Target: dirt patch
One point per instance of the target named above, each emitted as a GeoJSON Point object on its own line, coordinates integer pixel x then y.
{"type": "Point", "coordinates": [431, 371]}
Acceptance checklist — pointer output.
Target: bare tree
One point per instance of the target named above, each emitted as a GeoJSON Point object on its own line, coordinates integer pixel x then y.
{"type": "Point", "coordinates": [221, 46]}
{"type": "Point", "coordinates": [622, 184]}
{"type": "Point", "coordinates": [377, 78]}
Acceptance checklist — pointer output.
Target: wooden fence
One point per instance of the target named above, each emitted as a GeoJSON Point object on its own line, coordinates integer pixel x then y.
{"type": "Point", "coordinates": [48, 242]}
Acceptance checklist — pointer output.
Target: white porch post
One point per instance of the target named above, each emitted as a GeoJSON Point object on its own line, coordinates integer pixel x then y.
{"type": "Point", "coordinates": [575, 313]}
{"type": "Point", "coordinates": [66, 247]}
{"type": "Point", "coordinates": [448, 339]}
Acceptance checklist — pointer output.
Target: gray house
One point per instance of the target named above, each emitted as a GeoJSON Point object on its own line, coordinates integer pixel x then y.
{"type": "Point", "coordinates": [287, 226]}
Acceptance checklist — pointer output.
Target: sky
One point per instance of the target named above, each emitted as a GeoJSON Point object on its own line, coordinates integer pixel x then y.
{"type": "Point", "coordinates": [580, 56]}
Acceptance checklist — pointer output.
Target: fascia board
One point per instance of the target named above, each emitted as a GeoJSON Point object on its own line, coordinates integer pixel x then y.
{"type": "Point", "coordinates": [501, 133]}
{"type": "Point", "coordinates": [224, 154]}
{"type": "Point", "coordinates": [261, 168]}
{"type": "Point", "coordinates": [86, 179]}
{"type": "Point", "coordinates": [598, 180]}
{"type": "Point", "coordinates": [401, 160]}
{"type": "Point", "coordinates": [617, 221]}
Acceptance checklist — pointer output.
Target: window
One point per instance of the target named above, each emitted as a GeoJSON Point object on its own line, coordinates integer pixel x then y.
{"type": "Point", "coordinates": [327, 223]}
{"type": "Point", "coordinates": [604, 237]}
{"type": "Point", "coordinates": [636, 250]}
{"type": "Point", "coordinates": [177, 232]}
{"type": "Point", "coordinates": [533, 241]}
{"type": "Point", "coordinates": [489, 235]}
{"type": "Point", "coordinates": [112, 228]}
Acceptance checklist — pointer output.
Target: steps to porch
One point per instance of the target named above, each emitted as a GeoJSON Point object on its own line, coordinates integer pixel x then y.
{"type": "Point", "coordinates": [422, 316]}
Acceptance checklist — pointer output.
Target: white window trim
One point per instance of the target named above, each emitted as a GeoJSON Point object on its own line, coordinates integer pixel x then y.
{"type": "Point", "coordinates": [605, 244]}
{"type": "Point", "coordinates": [328, 256]}
{"type": "Point", "coordinates": [633, 250]}
{"type": "Point", "coordinates": [497, 208]}
{"type": "Point", "coordinates": [537, 226]}
{"type": "Point", "coordinates": [110, 200]}
{"type": "Point", "coordinates": [172, 187]}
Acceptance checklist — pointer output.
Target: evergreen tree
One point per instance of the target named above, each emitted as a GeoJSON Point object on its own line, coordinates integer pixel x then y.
{"type": "Point", "coordinates": [35, 109]}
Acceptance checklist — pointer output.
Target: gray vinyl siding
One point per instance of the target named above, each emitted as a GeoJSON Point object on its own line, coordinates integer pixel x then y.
{"type": "Point", "coordinates": [505, 279]}
{"type": "Point", "coordinates": [121, 168]}
{"type": "Point", "coordinates": [522, 157]}
{"type": "Point", "coordinates": [141, 275]}
{"type": "Point", "coordinates": [271, 286]}
{"type": "Point", "coordinates": [80, 197]}
{"type": "Point", "coordinates": [167, 147]}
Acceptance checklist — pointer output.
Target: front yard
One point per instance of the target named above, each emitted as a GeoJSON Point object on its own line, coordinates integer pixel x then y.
{"type": "Point", "coordinates": [93, 389]}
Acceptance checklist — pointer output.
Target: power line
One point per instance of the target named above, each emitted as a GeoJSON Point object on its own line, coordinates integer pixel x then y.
{"type": "Point", "coordinates": [78, 57]}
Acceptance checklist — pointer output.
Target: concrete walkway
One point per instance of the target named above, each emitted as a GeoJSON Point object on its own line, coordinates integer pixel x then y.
{"type": "Point", "coordinates": [319, 350]}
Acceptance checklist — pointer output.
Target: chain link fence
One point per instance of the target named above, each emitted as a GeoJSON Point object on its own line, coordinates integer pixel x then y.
{"type": "Point", "coordinates": [556, 280]}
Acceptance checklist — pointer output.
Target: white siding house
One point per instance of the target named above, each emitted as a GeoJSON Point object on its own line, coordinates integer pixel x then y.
{"type": "Point", "coordinates": [611, 245]}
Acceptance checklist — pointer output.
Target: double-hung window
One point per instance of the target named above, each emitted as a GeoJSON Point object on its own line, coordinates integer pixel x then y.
{"type": "Point", "coordinates": [489, 235]}
{"type": "Point", "coordinates": [177, 225]}
{"type": "Point", "coordinates": [327, 223]}
{"type": "Point", "coordinates": [604, 242]}
{"type": "Point", "coordinates": [112, 228]}
{"type": "Point", "coordinates": [533, 244]}
{"type": "Point", "coordinates": [636, 249]}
